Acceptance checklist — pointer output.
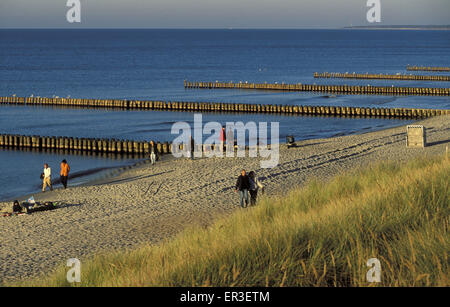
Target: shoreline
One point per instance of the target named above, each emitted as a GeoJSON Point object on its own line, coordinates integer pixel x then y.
{"type": "Point", "coordinates": [102, 172]}
{"type": "Point", "coordinates": [118, 170]}
{"type": "Point", "coordinates": [150, 204]}
{"type": "Point", "coordinates": [108, 173]}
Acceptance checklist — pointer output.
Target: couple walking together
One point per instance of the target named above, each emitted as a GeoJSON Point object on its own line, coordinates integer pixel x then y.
{"type": "Point", "coordinates": [248, 184]}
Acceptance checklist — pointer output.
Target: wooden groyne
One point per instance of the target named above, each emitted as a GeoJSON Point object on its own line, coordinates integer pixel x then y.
{"type": "Point", "coordinates": [423, 68]}
{"type": "Point", "coordinates": [81, 145]}
{"type": "Point", "coordinates": [341, 89]}
{"type": "Point", "coordinates": [106, 148]}
{"type": "Point", "coordinates": [326, 110]}
{"type": "Point", "coordinates": [326, 75]}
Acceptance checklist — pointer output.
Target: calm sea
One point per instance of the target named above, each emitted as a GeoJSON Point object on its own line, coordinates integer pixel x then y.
{"type": "Point", "coordinates": [152, 64]}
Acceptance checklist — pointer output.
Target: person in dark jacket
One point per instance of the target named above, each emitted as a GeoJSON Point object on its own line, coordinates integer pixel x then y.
{"type": "Point", "coordinates": [243, 185]}
{"type": "Point", "coordinates": [192, 147]}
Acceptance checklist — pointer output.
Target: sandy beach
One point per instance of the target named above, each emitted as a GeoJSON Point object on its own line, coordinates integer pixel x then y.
{"type": "Point", "coordinates": [148, 204]}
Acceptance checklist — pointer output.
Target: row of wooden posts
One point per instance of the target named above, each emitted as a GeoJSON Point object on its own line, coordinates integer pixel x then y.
{"type": "Point", "coordinates": [228, 107]}
{"type": "Point", "coordinates": [327, 75]}
{"type": "Point", "coordinates": [114, 146]}
{"type": "Point", "coordinates": [109, 148]}
{"type": "Point", "coordinates": [346, 89]}
{"type": "Point", "coordinates": [423, 68]}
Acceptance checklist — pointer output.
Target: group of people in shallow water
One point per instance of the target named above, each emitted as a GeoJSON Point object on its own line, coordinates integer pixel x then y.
{"type": "Point", "coordinates": [46, 175]}
{"type": "Point", "coordinates": [247, 186]}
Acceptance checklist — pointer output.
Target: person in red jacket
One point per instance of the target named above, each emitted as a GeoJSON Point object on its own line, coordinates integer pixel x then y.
{"type": "Point", "coordinates": [222, 138]}
{"type": "Point", "coordinates": [65, 169]}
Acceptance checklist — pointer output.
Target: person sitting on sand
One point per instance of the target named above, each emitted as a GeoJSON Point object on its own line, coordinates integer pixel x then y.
{"type": "Point", "coordinates": [47, 178]}
{"type": "Point", "coordinates": [65, 169]}
{"type": "Point", "coordinates": [255, 184]}
{"type": "Point", "coordinates": [242, 185]}
{"type": "Point", "coordinates": [152, 153]}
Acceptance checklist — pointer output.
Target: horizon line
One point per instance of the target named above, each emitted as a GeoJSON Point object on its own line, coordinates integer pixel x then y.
{"type": "Point", "coordinates": [239, 28]}
{"type": "Point", "coordinates": [230, 27]}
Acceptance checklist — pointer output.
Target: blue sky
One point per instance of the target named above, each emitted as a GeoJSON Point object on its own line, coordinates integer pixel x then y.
{"type": "Point", "coordinates": [219, 14]}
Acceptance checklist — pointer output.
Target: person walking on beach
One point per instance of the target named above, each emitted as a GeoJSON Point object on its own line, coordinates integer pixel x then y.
{"type": "Point", "coordinates": [192, 147]}
{"type": "Point", "coordinates": [47, 178]}
{"type": "Point", "coordinates": [65, 169]}
{"type": "Point", "coordinates": [152, 153]}
{"type": "Point", "coordinates": [255, 185]}
{"type": "Point", "coordinates": [242, 186]}
{"type": "Point", "coordinates": [230, 141]}
{"type": "Point", "coordinates": [222, 138]}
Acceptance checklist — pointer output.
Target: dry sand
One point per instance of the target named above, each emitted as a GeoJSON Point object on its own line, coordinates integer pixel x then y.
{"type": "Point", "coordinates": [148, 204]}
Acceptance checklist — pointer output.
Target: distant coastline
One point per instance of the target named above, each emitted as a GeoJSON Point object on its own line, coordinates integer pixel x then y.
{"type": "Point", "coordinates": [400, 27]}
{"type": "Point", "coordinates": [369, 27]}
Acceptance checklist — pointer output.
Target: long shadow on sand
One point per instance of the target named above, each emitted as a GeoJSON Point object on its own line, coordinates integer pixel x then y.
{"type": "Point", "coordinates": [135, 178]}
{"type": "Point", "coordinates": [438, 142]}
{"type": "Point", "coordinates": [305, 145]}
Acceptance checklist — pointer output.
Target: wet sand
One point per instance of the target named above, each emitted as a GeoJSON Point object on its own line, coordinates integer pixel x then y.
{"type": "Point", "coordinates": [148, 204]}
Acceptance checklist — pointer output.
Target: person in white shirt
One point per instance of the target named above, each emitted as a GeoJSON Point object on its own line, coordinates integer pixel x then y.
{"type": "Point", "coordinates": [255, 185]}
{"type": "Point", "coordinates": [47, 178]}
{"type": "Point", "coordinates": [152, 152]}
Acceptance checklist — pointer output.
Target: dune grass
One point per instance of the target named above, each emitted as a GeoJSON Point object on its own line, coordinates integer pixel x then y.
{"type": "Point", "coordinates": [319, 235]}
